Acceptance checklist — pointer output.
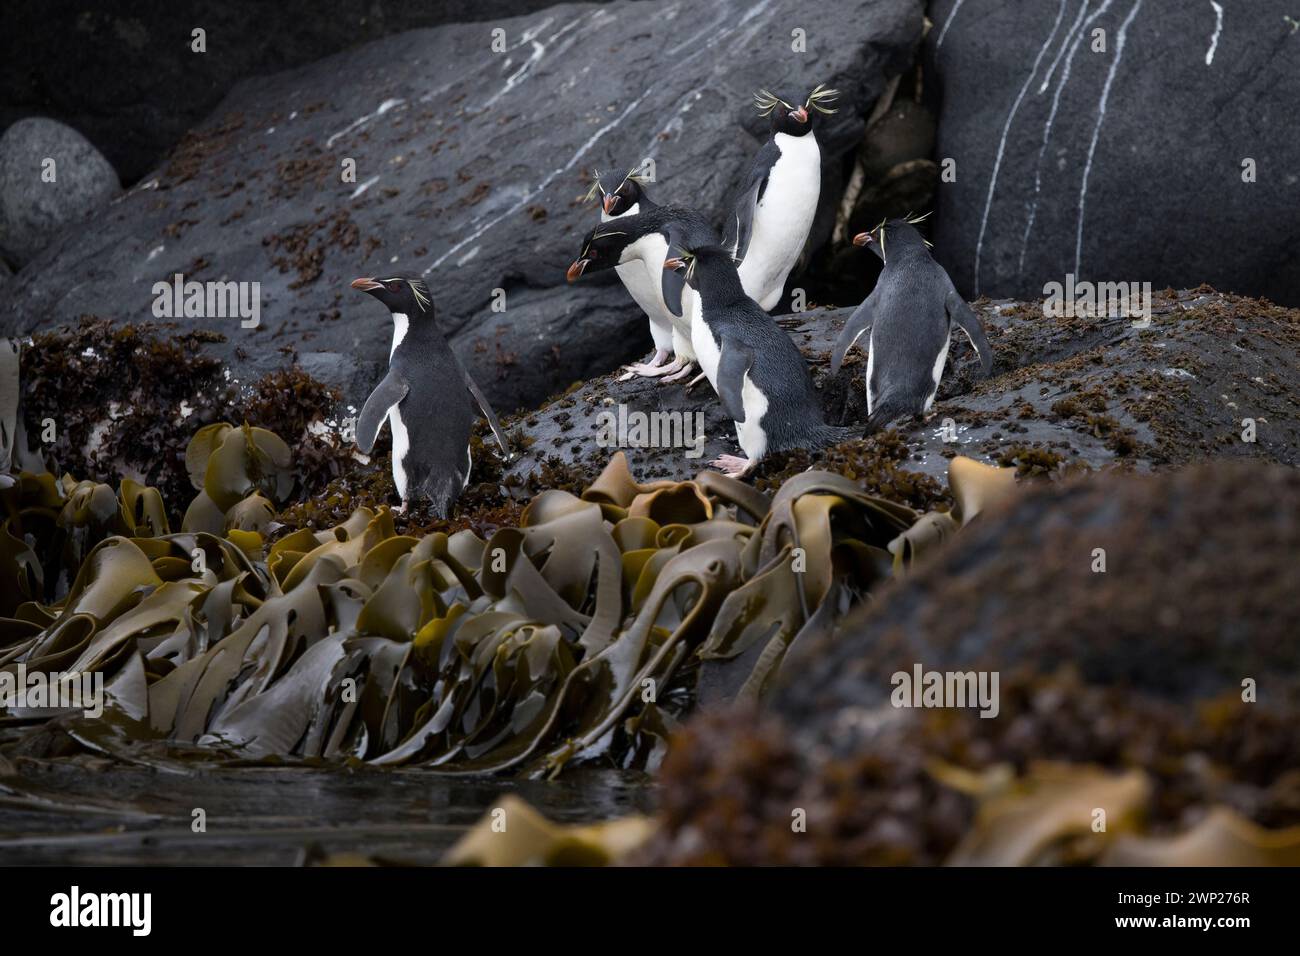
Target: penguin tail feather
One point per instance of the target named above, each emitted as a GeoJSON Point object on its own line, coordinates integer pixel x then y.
{"type": "Point", "coordinates": [884, 413]}
{"type": "Point", "coordinates": [833, 434]}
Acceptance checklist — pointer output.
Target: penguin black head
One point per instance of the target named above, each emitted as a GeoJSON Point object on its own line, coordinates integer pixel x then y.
{"type": "Point", "coordinates": [402, 294]}
{"type": "Point", "coordinates": [630, 192]}
{"type": "Point", "coordinates": [894, 235]}
{"type": "Point", "coordinates": [601, 249]}
{"type": "Point", "coordinates": [690, 262]}
{"type": "Point", "coordinates": [791, 119]}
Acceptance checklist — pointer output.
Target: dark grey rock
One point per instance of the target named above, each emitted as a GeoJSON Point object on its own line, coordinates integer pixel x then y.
{"type": "Point", "coordinates": [33, 209]}
{"type": "Point", "coordinates": [470, 167]}
{"type": "Point", "coordinates": [125, 75]}
{"type": "Point", "coordinates": [1123, 165]}
{"type": "Point", "coordinates": [1066, 394]}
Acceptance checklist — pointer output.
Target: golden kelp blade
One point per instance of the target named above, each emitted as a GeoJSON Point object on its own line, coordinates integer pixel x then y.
{"type": "Point", "coordinates": [514, 834]}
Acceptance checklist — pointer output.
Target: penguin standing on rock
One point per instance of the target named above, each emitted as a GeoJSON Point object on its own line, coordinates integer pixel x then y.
{"type": "Point", "coordinates": [428, 398]}
{"type": "Point", "coordinates": [641, 240]}
{"type": "Point", "coordinates": [910, 314]}
{"type": "Point", "coordinates": [753, 365]}
{"type": "Point", "coordinates": [641, 274]}
{"type": "Point", "coordinates": [776, 208]}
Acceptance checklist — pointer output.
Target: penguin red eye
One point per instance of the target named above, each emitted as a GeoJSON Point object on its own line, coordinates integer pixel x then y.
{"type": "Point", "coordinates": [394, 286]}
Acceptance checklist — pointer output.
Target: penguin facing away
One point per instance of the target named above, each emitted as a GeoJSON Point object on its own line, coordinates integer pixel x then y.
{"type": "Point", "coordinates": [642, 240]}
{"type": "Point", "coordinates": [778, 202]}
{"type": "Point", "coordinates": [910, 314]}
{"type": "Point", "coordinates": [428, 399]}
{"type": "Point", "coordinates": [641, 275]}
{"type": "Point", "coordinates": [754, 366]}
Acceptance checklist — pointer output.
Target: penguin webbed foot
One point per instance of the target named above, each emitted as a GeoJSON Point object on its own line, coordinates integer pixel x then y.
{"type": "Point", "coordinates": [696, 380]}
{"type": "Point", "coordinates": [658, 365]}
{"type": "Point", "coordinates": [679, 374]}
{"type": "Point", "coordinates": [733, 466]}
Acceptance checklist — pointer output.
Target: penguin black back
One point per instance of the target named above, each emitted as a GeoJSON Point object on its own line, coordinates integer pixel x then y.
{"type": "Point", "coordinates": [777, 373]}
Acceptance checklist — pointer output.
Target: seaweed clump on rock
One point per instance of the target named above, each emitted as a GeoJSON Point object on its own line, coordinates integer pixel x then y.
{"type": "Point", "coordinates": [105, 400]}
{"type": "Point", "coordinates": [1143, 632]}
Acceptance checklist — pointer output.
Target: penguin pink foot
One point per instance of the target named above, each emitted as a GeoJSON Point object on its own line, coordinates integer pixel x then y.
{"type": "Point", "coordinates": [651, 372]}
{"type": "Point", "coordinates": [696, 380]}
{"type": "Point", "coordinates": [678, 375]}
{"type": "Point", "coordinates": [733, 466]}
{"type": "Point", "coordinates": [646, 369]}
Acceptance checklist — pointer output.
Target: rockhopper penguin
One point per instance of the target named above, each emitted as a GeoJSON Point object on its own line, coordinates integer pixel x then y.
{"type": "Point", "coordinates": [642, 240]}
{"type": "Point", "coordinates": [910, 313]}
{"type": "Point", "coordinates": [427, 397]}
{"type": "Point", "coordinates": [779, 196]}
{"type": "Point", "coordinates": [641, 273]}
{"type": "Point", "coordinates": [753, 365]}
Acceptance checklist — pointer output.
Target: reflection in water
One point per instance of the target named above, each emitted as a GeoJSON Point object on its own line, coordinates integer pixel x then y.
{"type": "Point", "coordinates": [86, 811]}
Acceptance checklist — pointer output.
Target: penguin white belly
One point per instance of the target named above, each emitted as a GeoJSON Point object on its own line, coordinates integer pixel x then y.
{"type": "Point", "coordinates": [937, 372]}
{"type": "Point", "coordinates": [400, 324]}
{"type": "Point", "coordinates": [641, 269]}
{"type": "Point", "coordinates": [871, 385]}
{"type": "Point", "coordinates": [708, 353]}
{"type": "Point", "coordinates": [684, 326]}
{"type": "Point", "coordinates": [749, 433]}
{"type": "Point", "coordinates": [783, 218]}
{"type": "Point", "coordinates": [401, 445]}
{"type": "Point", "coordinates": [636, 282]}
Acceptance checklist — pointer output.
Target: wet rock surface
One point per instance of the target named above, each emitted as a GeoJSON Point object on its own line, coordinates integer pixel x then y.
{"type": "Point", "coordinates": [1066, 393]}
{"type": "Point", "coordinates": [1058, 148]}
{"type": "Point", "coordinates": [470, 166]}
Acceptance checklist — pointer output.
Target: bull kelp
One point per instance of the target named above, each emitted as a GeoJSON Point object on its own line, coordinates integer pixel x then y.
{"type": "Point", "coordinates": [579, 634]}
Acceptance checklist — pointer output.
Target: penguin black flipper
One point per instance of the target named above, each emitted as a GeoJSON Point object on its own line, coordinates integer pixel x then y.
{"type": "Point", "coordinates": [733, 363]}
{"type": "Point", "coordinates": [962, 314]}
{"type": "Point", "coordinates": [741, 227]}
{"type": "Point", "coordinates": [858, 322]}
{"type": "Point", "coordinates": [387, 393]}
{"type": "Point", "coordinates": [674, 282]}
{"type": "Point", "coordinates": [486, 409]}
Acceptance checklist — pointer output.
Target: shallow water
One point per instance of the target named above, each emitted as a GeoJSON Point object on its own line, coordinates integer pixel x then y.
{"type": "Point", "coordinates": [95, 812]}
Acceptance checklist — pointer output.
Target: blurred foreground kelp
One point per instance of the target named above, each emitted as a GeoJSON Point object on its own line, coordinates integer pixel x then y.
{"type": "Point", "coordinates": [580, 633]}
{"type": "Point", "coordinates": [1143, 632]}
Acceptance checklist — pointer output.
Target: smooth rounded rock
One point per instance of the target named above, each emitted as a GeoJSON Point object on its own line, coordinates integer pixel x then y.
{"type": "Point", "coordinates": [50, 176]}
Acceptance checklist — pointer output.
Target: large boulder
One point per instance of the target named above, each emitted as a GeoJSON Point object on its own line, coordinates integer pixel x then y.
{"type": "Point", "coordinates": [470, 167]}
{"type": "Point", "coordinates": [128, 76]}
{"type": "Point", "coordinates": [50, 176]}
{"type": "Point", "coordinates": [1128, 164]}
{"type": "Point", "coordinates": [1160, 685]}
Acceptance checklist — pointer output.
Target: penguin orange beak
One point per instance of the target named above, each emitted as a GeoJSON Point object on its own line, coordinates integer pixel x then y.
{"type": "Point", "coordinates": [673, 264]}
{"type": "Point", "coordinates": [862, 239]}
{"type": "Point", "coordinates": [800, 115]}
{"type": "Point", "coordinates": [365, 285]}
{"type": "Point", "coordinates": [608, 203]}
{"type": "Point", "coordinates": [575, 270]}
